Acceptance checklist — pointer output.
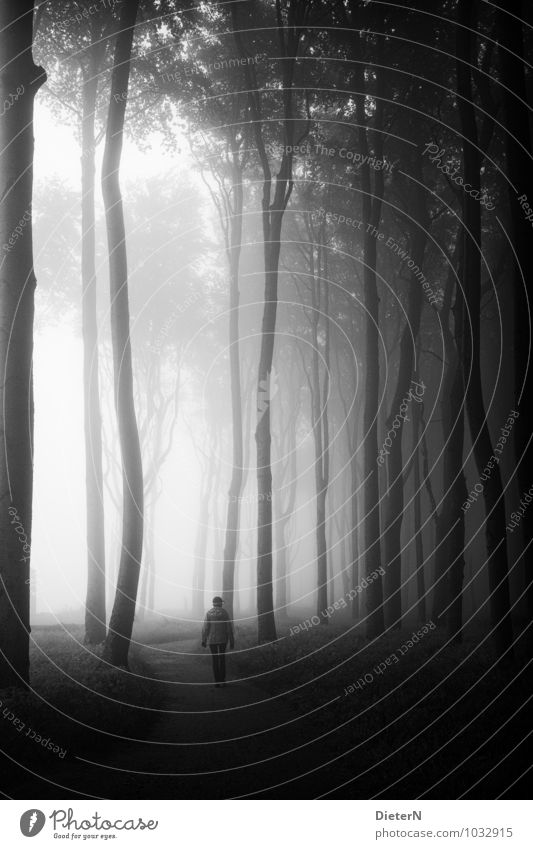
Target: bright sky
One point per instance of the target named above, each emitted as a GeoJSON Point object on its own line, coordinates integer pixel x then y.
{"type": "Point", "coordinates": [56, 151]}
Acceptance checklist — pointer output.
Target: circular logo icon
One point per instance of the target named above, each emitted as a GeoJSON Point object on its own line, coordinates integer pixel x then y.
{"type": "Point", "coordinates": [32, 822]}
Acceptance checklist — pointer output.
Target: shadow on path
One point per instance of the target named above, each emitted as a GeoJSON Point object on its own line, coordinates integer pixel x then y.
{"type": "Point", "coordinates": [205, 742]}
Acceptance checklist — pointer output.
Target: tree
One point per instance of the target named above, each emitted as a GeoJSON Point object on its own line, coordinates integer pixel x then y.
{"type": "Point", "coordinates": [518, 149]}
{"type": "Point", "coordinates": [95, 608]}
{"type": "Point", "coordinates": [235, 206]}
{"type": "Point", "coordinates": [20, 80]}
{"type": "Point", "coordinates": [495, 521]}
{"type": "Point", "coordinates": [450, 529]}
{"type": "Point", "coordinates": [371, 216]}
{"type": "Point", "coordinates": [76, 51]}
{"type": "Point", "coordinates": [417, 516]}
{"type": "Point", "coordinates": [285, 473]}
{"type": "Point", "coordinates": [316, 281]}
{"type": "Point", "coordinates": [290, 22]}
{"type": "Point", "coordinates": [227, 166]}
{"type": "Point", "coordinates": [121, 622]}
{"type": "Point", "coordinates": [394, 501]}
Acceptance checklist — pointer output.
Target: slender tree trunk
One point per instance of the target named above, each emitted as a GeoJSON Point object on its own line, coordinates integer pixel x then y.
{"type": "Point", "coordinates": [518, 149]}
{"type": "Point", "coordinates": [321, 439]}
{"type": "Point", "coordinates": [450, 536]}
{"type": "Point", "coordinates": [265, 602]}
{"type": "Point", "coordinates": [495, 522]}
{"type": "Point", "coordinates": [371, 216]}
{"type": "Point", "coordinates": [281, 563]}
{"type": "Point", "coordinates": [20, 79]}
{"type": "Point", "coordinates": [148, 578]}
{"type": "Point", "coordinates": [152, 574]}
{"type": "Point", "coordinates": [449, 522]}
{"type": "Point", "coordinates": [282, 595]}
{"type": "Point", "coordinates": [95, 607]}
{"type": "Point", "coordinates": [200, 551]}
{"type": "Point", "coordinates": [235, 489]}
{"type": "Point", "coordinates": [273, 209]}
{"type": "Point", "coordinates": [286, 511]}
{"type": "Point", "coordinates": [455, 494]}
{"type": "Point", "coordinates": [266, 623]}
{"type": "Point", "coordinates": [121, 623]}
{"type": "Point", "coordinates": [351, 426]}
{"type": "Point", "coordinates": [342, 529]}
{"type": "Point", "coordinates": [354, 535]}
{"type": "Point", "coordinates": [394, 501]}
{"type": "Point", "coordinates": [417, 518]}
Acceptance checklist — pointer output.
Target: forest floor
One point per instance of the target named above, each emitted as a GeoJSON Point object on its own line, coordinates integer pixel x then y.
{"type": "Point", "coordinates": [288, 725]}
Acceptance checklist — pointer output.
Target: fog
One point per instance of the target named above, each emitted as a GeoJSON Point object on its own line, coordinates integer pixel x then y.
{"type": "Point", "coordinates": [59, 531]}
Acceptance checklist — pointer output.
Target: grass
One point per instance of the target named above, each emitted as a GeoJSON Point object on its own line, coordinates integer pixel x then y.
{"type": "Point", "coordinates": [76, 700]}
{"type": "Point", "coordinates": [435, 720]}
{"type": "Point", "coordinates": [438, 722]}
{"type": "Point", "coordinates": [163, 629]}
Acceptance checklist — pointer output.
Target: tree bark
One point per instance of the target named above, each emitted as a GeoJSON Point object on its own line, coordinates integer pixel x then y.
{"type": "Point", "coordinates": [394, 501]}
{"type": "Point", "coordinates": [235, 489]}
{"type": "Point", "coordinates": [95, 606]}
{"type": "Point", "coordinates": [285, 514]}
{"type": "Point", "coordinates": [450, 536]}
{"type": "Point", "coordinates": [518, 150]}
{"type": "Point", "coordinates": [354, 535]}
{"type": "Point", "coordinates": [495, 522]}
{"type": "Point", "coordinates": [266, 625]}
{"type": "Point", "coordinates": [202, 536]}
{"type": "Point", "coordinates": [273, 209]}
{"type": "Point", "coordinates": [146, 602]}
{"type": "Point", "coordinates": [319, 415]}
{"type": "Point", "coordinates": [371, 216]}
{"type": "Point", "coordinates": [417, 519]}
{"type": "Point", "coordinates": [20, 80]}
{"type": "Point", "coordinates": [121, 623]}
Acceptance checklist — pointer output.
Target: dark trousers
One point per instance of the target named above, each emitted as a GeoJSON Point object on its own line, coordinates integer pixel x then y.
{"type": "Point", "coordinates": [219, 661]}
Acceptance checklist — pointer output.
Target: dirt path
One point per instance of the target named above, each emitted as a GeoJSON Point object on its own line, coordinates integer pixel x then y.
{"type": "Point", "coordinates": [206, 742]}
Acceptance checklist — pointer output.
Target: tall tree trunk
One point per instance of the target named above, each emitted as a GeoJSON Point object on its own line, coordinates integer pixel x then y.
{"type": "Point", "coordinates": [350, 427]}
{"type": "Point", "coordinates": [518, 150]}
{"type": "Point", "coordinates": [121, 623]}
{"type": "Point", "coordinates": [450, 536]}
{"type": "Point", "coordinates": [322, 556]}
{"type": "Point", "coordinates": [235, 489]}
{"type": "Point", "coordinates": [455, 492]}
{"type": "Point", "coordinates": [319, 414]}
{"type": "Point", "coordinates": [20, 80]}
{"type": "Point", "coordinates": [266, 625]}
{"type": "Point", "coordinates": [95, 607]}
{"type": "Point", "coordinates": [450, 523]}
{"type": "Point", "coordinates": [273, 209]}
{"type": "Point", "coordinates": [281, 566]}
{"type": "Point", "coordinates": [202, 537]}
{"type": "Point", "coordinates": [495, 522]}
{"type": "Point", "coordinates": [394, 501]}
{"type": "Point", "coordinates": [341, 525]}
{"type": "Point", "coordinates": [148, 579]}
{"type": "Point", "coordinates": [371, 216]}
{"type": "Point", "coordinates": [152, 573]}
{"type": "Point", "coordinates": [354, 535]}
{"type": "Point", "coordinates": [286, 510]}
{"type": "Point", "coordinates": [417, 516]}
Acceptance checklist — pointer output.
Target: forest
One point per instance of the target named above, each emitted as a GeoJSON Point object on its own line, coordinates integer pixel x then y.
{"type": "Point", "coordinates": [265, 339]}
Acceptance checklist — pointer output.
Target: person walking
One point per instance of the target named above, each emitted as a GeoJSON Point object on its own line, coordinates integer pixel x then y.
{"type": "Point", "coordinates": [217, 632]}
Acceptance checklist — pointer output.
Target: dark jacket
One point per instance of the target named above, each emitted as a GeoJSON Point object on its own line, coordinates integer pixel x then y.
{"type": "Point", "coordinates": [217, 627]}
